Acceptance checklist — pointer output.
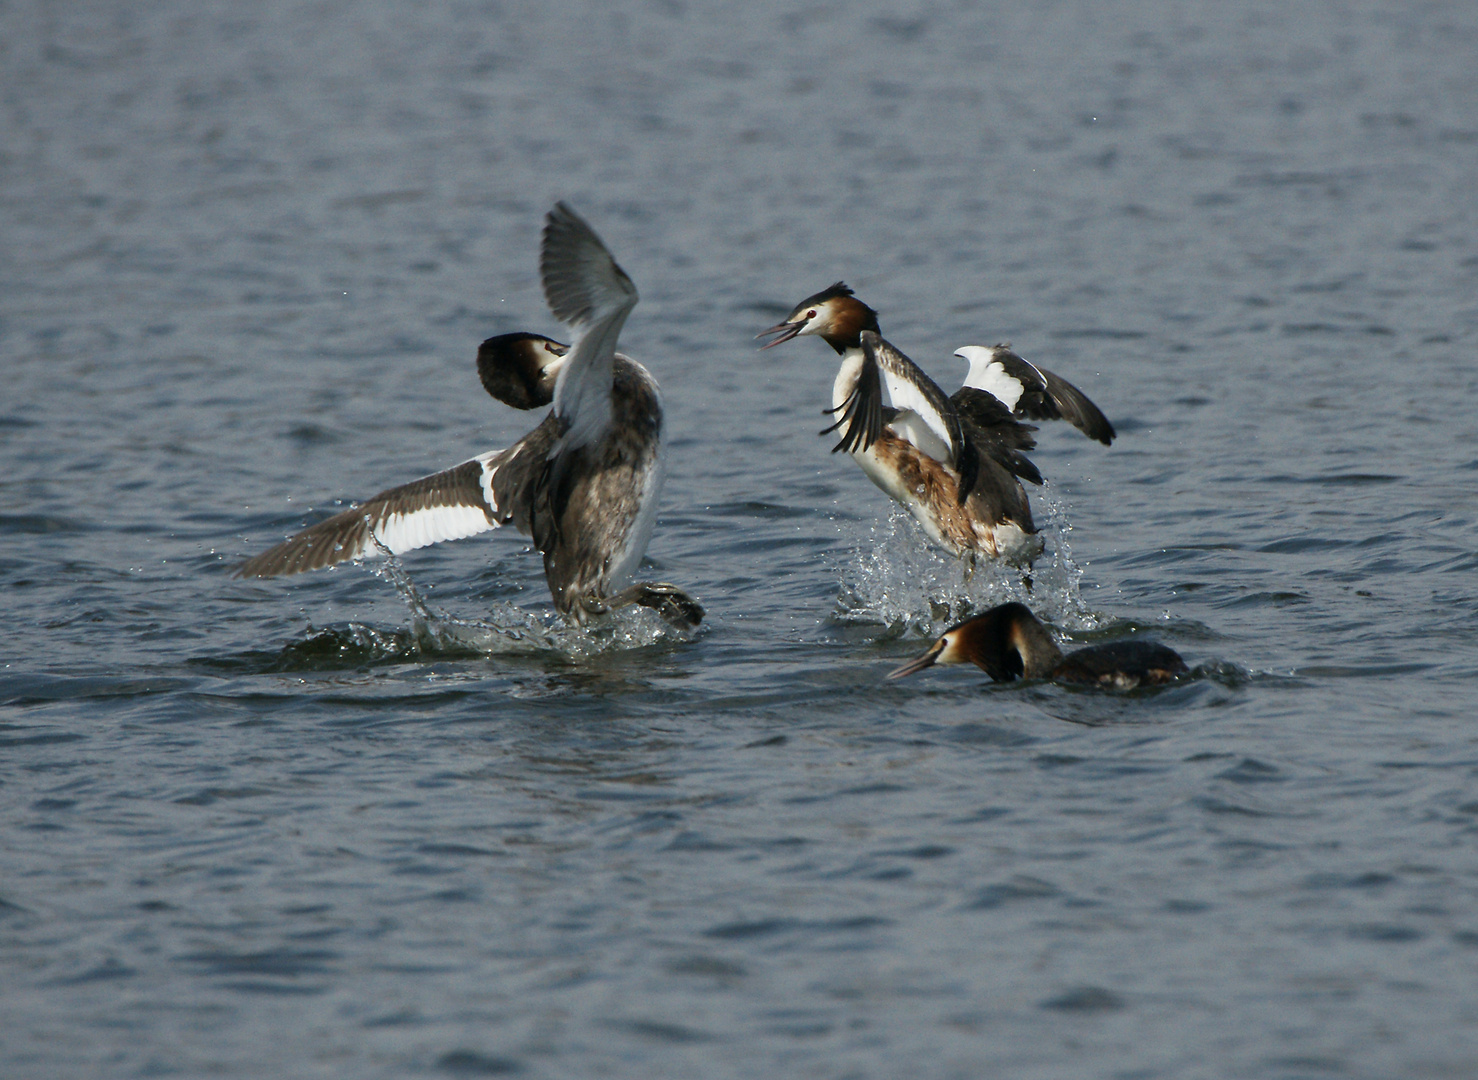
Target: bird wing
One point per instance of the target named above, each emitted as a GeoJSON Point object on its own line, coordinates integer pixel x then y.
{"type": "Point", "coordinates": [590, 294]}
{"type": "Point", "coordinates": [913, 392]}
{"type": "Point", "coordinates": [1033, 392]}
{"type": "Point", "coordinates": [444, 506]}
{"type": "Point", "coordinates": [909, 388]}
{"type": "Point", "coordinates": [863, 411]}
{"type": "Point", "coordinates": [995, 432]}
{"type": "Point", "coordinates": [1001, 373]}
{"type": "Point", "coordinates": [1073, 406]}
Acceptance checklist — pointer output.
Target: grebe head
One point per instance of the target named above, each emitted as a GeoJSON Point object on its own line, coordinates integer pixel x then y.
{"type": "Point", "coordinates": [835, 315]}
{"type": "Point", "coordinates": [1006, 642]}
{"type": "Point", "coordinates": [520, 369]}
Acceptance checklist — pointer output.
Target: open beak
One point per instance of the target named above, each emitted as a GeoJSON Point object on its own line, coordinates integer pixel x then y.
{"type": "Point", "coordinates": [786, 330]}
{"type": "Point", "coordinates": [919, 663]}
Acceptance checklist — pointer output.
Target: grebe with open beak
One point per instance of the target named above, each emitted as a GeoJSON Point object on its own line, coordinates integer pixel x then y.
{"type": "Point", "coordinates": [958, 477]}
{"type": "Point", "coordinates": [957, 462]}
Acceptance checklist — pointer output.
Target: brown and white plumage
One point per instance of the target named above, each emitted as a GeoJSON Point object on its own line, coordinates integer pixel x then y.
{"type": "Point", "coordinates": [957, 477]}
{"type": "Point", "coordinates": [1008, 642]}
{"type": "Point", "coordinates": [584, 483]}
{"type": "Point", "coordinates": [955, 462]}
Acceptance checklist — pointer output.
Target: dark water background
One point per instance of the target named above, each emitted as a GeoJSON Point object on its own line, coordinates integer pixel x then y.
{"type": "Point", "coordinates": [285, 829]}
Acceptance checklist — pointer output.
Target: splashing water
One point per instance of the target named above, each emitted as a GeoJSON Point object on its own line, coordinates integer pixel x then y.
{"type": "Point", "coordinates": [899, 578]}
{"type": "Point", "coordinates": [510, 630]}
{"type": "Point", "coordinates": [1058, 597]}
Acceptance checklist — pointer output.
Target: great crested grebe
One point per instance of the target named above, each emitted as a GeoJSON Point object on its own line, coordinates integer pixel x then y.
{"type": "Point", "coordinates": [584, 483]}
{"type": "Point", "coordinates": [955, 462]}
{"type": "Point", "coordinates": [959, 483]}
{"type": "Point", "coordinates": [1008, 642]}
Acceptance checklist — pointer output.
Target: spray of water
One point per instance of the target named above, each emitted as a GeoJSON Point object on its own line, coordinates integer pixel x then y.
{"type": "Point", "coordinates": [898, 578]}
{"type": "Point", "coordinates": [509, 630]}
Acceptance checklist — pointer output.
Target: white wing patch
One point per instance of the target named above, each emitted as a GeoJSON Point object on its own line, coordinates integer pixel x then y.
{"type": "Point", "coordinates": [406, 530]}
{"type": "Point", "coordinates": [904, 381]}
{"type": "Point", "coordinates": [905, 396]}
{"type": "Point", "coordinates": [448, 505]}
{"type": "Point", "coordinates": [422, 528]}
{"type": "Point", "coordinates": [490, 462]}
{"type": "Point", "coordinates": [989, 374]}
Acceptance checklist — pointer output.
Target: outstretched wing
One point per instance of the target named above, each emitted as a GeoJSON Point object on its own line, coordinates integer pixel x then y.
{"type": "Point", "coordinates": [588, 292]}
{"type": "Point", "coordinates": [445, 506]}
{"type": "Point", "coordinates": [1071, 404]}
{"type": "Point", "coordinates": [1030, 391]}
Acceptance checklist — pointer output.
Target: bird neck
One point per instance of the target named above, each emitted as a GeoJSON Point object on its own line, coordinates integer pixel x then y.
{"type": "Point", "coordinates": [1039, 653]}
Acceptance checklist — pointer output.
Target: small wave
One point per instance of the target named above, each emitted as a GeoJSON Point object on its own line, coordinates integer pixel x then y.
{"type": "Point", "coordinates": [334, 648]}
{"type": "Point", "coordinates": [901, 580]}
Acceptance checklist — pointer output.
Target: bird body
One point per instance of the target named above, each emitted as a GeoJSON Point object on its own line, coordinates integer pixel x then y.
{"type": "Point", "coordinates": [955, 462]}
{"type": "Point", "coordinates": [584, 483]}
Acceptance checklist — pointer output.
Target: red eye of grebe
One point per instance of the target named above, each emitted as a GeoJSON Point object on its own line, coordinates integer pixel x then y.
{"type": "Point", "coordinates": [811, 314]}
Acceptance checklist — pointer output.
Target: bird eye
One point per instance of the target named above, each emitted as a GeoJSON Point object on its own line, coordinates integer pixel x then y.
{"type": "Point", "coordinates": [811, 314]}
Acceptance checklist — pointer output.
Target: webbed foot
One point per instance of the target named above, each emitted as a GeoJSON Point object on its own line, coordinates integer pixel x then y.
{"type": "Point", "coordinates": [669, 601]}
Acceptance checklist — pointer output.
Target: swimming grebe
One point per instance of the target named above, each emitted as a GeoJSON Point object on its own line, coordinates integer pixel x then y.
{"type": "Point", "coordinates": [584, 483]}
{"type": "Point", "coordinates": [958, 477]}
{"type": "Point", "coordinates": [1008, 642]}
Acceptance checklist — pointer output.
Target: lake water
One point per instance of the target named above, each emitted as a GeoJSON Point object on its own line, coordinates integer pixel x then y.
{"type": "Point", "coordinates": [294, 828]}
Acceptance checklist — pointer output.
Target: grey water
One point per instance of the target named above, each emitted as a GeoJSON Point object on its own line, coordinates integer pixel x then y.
{"type": "Point", "coordinates": [401, 823]}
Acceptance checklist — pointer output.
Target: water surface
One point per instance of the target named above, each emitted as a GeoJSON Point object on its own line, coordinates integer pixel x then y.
{"type": "Point", "coordinates": [289, 829]}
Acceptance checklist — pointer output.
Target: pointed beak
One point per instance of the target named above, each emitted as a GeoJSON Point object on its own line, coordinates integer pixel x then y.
{"type": "Point", "coordinates": [786, 330]}
{"type": "Point", "coordinates": [919, 663]}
